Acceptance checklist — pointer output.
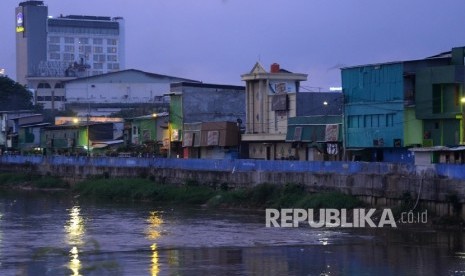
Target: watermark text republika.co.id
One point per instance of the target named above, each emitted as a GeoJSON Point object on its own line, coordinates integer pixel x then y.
{"type": "Point", "coordinates": [345, 218]}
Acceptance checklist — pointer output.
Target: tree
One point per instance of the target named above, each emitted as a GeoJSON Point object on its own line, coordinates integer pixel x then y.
{"type": "Point", "coordinates": [14, 96]}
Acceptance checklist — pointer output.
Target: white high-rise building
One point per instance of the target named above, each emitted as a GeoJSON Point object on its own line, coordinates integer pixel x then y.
{"type": "Point", "coordinates": [95, 43]}
{"type": "Point", "coordinates": [51, 50]}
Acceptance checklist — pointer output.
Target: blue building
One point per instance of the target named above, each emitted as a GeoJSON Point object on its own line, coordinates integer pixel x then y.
{"type": "Point", "coordinates": [389, 107]}
{"type": "Point", "coordinates": [376, 113]}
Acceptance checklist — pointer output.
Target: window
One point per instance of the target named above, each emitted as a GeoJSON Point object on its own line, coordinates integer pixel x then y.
{"type": "Point", "coordinates": [355, 121]}
{"type": "Point", "coordinates": [99, 58]}
{"type": "Point", "coordinates": [111, 50]}
{"type": "Point", "coordinates": [69, 40]}
{"type": "Point", "coordinates": [85, 49]}
{"type": "Point", "coordinates": [69, 48]}
{"type": "Point", "coordinates": [389, 120]}
{"type": "Point", "coordinates": [98, 66]}
{"type": "Point", "coordinates": [368, 120]}
{"type": "Point", "coordinates": [98, 41]}
{"type": "Point", "coordinates": [83, 40]}
{"type": "Point", "coordinates": [53, 48]}
{"type": "Point", "coordinates": [98, 49]}
{"type": "Point", "coordinates": [43, 85]}
{"type": "Point", "coordinates": [111, 42]}
{"type": "Point", "coordinates": [112, 58]}
{"type": "Point", "coordinates": [457, 95]}
{"type": "Point", "coordinates": [68, 57]}
{"type": "Point", "coordinates": [54, 56]}
{"type": "Point", "coordinates": [54, 39]}
{"type": "Point", "coordinates": [113, 66]}
{"type": "Point", "coordinates": [437, 98]}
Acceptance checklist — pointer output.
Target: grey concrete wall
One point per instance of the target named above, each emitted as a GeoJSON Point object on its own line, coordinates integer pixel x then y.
{"type": "Point", "coordinates": [202, 104]}
{"type": "Point", "coordinates": [380, 190]}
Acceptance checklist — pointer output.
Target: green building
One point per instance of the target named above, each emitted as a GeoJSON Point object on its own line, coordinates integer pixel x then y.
{"type": "Point", "coordinates": [149, 132]}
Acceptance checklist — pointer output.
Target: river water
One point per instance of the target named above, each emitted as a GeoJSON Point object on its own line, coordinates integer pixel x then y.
{"type": "Point", "coordinates": [57, 234]}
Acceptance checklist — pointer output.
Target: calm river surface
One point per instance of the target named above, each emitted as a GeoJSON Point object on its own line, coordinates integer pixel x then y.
{"type": "Point", "coordinates": [56, 234]}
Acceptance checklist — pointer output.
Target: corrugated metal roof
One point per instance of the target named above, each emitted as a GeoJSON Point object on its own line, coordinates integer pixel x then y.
{"type": "Point", "coordinates": [437, 148]}
{"type": "Point", "coordinates": [313, 128]}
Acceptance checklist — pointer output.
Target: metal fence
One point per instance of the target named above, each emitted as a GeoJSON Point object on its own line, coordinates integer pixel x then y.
{"type": "Point", "coordinates": [241, 165]}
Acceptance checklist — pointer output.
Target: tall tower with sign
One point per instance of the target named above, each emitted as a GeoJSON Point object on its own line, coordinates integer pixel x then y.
{"type": "Point", "coordinates": [31, 37]}
{"type": "Point", "coordinates": [270, 101]}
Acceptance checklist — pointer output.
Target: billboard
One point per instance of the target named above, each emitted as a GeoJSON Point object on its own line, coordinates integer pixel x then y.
{"type": "Point", "coordinates": [19, 21]}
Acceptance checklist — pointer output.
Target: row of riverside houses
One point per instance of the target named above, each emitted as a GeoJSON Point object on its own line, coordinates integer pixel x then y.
{"type": "Point", "coordinates": [406, 111]}
{"type": "Point", "coordinates": [195, 119]}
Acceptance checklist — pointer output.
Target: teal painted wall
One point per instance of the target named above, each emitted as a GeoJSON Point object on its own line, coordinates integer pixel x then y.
{"type": "Point", "coordinates": [374, 106]}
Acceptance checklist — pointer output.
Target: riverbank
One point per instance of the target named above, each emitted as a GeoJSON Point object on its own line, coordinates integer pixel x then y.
{"type": "Point", "coordinates": [258, 197]}
{"type": "Point", "coordinates": [191, 192]}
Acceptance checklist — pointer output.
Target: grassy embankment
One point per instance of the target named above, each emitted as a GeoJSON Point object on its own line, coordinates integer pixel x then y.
{"type": "Point", "coordinates": [143, 189]}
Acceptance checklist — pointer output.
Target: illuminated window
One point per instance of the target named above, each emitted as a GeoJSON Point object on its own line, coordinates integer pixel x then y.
{"type": "Point", "coordinates": [83, 40]}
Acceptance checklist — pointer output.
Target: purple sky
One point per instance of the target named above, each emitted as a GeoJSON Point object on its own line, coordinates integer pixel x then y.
{"type": "Point", "coordinates": [216, 41]}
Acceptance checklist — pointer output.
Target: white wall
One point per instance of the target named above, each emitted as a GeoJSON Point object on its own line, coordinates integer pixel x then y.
{"type": "Point", "coordinates": [115, 92]}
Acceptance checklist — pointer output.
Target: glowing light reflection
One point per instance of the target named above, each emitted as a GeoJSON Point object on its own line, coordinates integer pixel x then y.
{"type": "Point", "coordinates": [75, 232]}
{"type": "Point", "coordinates": [153, 233]}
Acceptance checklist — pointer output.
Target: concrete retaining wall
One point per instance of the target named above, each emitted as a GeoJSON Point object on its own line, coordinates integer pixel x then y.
{"type": "Point", "coordinates": [443, 195]}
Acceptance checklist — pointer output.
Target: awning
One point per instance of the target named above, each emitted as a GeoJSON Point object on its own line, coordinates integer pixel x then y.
{"type": "Point", "coordinates": [104, 144]}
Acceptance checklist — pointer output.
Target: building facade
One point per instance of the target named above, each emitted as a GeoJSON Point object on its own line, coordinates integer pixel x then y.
{"type": "Point", "coordinates": [194, 103]}
{"type": "Point", "coordinates": [65, 46]}
{"type": "Point", "coordinates": [271, 98]}
{"type": "Point", "coordinates": [108, 93]}
{"type": "Point", "coordinates": [10, 123]}
{"type": "Point", "coordinates": [211, 140]}
{"type": "Point", "coordinates": [391, 107]}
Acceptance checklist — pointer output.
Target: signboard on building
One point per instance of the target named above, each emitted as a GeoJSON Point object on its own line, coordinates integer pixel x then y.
{"type": "Point", "coordinates": [282, 87]}
{"type": "Point", "coordinates": [188, 139]}
{"type": "Point", "coordinates": [213, 138]}
{"type": "Point", "coordinates": [332, 133]}
{"type": "Point", "coordinates": [19, 22]}
{"type": "Point", "coordinates": [279, 102]}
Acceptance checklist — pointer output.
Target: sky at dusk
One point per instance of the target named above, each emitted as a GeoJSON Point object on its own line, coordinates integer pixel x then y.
{"type": "Point", "coordinates": [215, 41]}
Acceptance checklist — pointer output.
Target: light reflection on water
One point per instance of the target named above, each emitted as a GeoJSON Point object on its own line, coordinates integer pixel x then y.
{"type": "Point", "coordinates": [153, 233]}
{"type": "Point", "coordinates": [75, 231]}
{"type": "Point", "coordinates": [42, 235]}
